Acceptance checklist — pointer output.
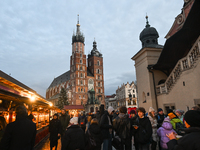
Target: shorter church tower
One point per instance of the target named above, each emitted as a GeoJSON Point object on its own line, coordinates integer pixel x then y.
{"type": "Point", "coordinates": [95, 66]}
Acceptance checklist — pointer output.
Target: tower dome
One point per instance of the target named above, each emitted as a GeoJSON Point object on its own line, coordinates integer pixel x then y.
{"type": "Point", "coordinates": [149, 36]}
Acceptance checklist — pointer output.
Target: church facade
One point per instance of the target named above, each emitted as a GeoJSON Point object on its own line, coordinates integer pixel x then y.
{"type": "Point", "coordinates": [84, 82]}
{"type": "Point", "coordinates": [168, 76]}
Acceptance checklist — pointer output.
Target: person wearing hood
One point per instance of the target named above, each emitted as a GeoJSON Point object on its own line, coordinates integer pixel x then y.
{"type": "Point", "coordinates": [191, 140]}
{"type": "Point", "coordinates": [143, 132]}
{"type": "Point", "coordinates": [122, 127]}
{"type": "Point", "coordinates": [55, 130]}
{"type": "Point", "coordinates": [106, 128]}
{"type": "Point", "coordinates": [20, 134]}
{"type": "Point", "coordinates": [74, 137]}
{"type": "Point", "coordinates": [94, 131]}
{"type": "Point", "coordinates": [166, 128]}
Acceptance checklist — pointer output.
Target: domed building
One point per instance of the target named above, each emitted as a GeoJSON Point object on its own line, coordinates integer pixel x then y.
{"type": "Point", "coordinates": [168, 76]}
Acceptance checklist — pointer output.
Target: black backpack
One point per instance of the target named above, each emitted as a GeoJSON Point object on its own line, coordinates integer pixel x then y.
{"type": "Point", "coordinates": [180, 128]}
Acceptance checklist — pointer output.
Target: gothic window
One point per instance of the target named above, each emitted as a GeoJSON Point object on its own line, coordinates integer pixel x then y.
{"type": "Point", "coordinates": [80, 61]}
{"type": "Point", "coordinates": [78, 89]}
{"type": "Point", "coordinates": [81, 90]}
{"type": "Point", "coordinates": [78, 74]}
{"type": "Point", "coordinates": [81, 68]}
{"type": "Point", "coordinates": [81, 47]}
{"type": "Point", "coordinates": [99, 84]}
{"type": "Point", "coordinates": [81, 75]}
{"type": "Point", "coordinates": [81, 82]}
{"type": "Point", "coordinates": [133, 95]}
{"type": "Point", "coordinates": [99, 90]}
{"type": "Point", "coordinates": [98, 77]}
{"type": "Point", "coordinates": [98, 62]}
{"type": "Point", "coordinates": [80, 55]}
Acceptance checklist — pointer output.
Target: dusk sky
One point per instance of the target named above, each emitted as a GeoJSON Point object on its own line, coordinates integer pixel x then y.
{"type": "Point", "coordinates": [36, 36]}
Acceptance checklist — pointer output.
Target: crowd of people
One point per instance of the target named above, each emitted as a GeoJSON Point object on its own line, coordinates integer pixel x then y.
{"type": "Point", "coordinates": [106, 129]}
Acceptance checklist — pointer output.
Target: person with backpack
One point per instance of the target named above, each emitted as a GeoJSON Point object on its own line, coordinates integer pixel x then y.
{"type": "Point", "coordinates": [106, 128]}
{"type": "Point", "coordinates": [143, 134]}
{"type": "Point", "coordinates": [94, 133]}
{"type": "Point", "coordinates": [82, 121]}
{"type": "Point", "coordinates": [191, 140]}
{"type": "Point", "coordinates": [122, 127]}
{"type": "Point", "coordinates": [162, 132]}
{"type": "Point", "coordinates": [177, 124]}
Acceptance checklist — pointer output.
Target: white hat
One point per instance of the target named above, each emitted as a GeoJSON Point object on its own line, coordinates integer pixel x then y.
{"type": "Point", "coordinates": [151, 109]}
{"type": "Point", "coordinates": [74, 120]}
{"type": "Point", "coordinates": [110, 109]}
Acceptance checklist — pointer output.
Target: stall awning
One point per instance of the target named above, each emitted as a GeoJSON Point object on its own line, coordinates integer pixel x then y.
{"type": "Point", "coordinates": [178, 45]}
{"type": "Point", "coordinates": [70, 107]}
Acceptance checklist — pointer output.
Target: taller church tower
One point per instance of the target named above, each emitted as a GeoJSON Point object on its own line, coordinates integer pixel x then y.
{"type": "Point", "coordinates": [78, 68]}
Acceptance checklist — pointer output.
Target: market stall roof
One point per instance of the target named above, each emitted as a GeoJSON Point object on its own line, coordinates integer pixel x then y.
{"type": "Point", "coordinates": [13, 90]}
{"type": "Point", "coordinates": [179, 44]}
{"type": "Point", "coordinates": [69, 107]}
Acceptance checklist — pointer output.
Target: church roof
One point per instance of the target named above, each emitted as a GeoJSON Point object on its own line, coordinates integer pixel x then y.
{"type": "Point", "coordinates": [60, 79]}
{"type": "Point", "coordinates": [179, 44]}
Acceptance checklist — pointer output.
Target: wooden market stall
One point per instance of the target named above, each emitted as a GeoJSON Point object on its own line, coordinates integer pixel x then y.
{"type": "Point", "coordinates": [14, 93]}
{"type": "Point", "coordinates": [74, 110]}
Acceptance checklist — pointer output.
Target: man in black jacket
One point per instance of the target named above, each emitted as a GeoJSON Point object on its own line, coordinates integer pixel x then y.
{"type": "Point", "coordinates": [122, 126]}
{"type": "Point", "coordinates": [55, 131]}
{"type": "Point", "coordinates": [74, 137]}
{"type": "Point", "coordinates": [191, 140]}
{"type": "Point", "coordinates": [20, 134]}
{"type": "Point", "coordinates": [143, 132]}
{"type": "Point", "coordinates": [64, 120]}
{"type": "Point", "coordinates": [106, 128]}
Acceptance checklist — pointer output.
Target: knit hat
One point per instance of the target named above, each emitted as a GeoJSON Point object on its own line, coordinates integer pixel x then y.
{"type": "Point", "coordinates": [160, 109]}
{"type": "Point", "coordinates": [166, 120]}
{"type": "Point", "coordinates": [181, 112]}
{"type": "Point", "coordinates": [151, 109]}
{"type": "Point", "coordinates": [132, 111]}
{"type": "Point", "coordinates": [192, 117]}
{"type": "Point", "coordinates": [74, 120]}
{"type": "Point", "coordinates": [110, 109]}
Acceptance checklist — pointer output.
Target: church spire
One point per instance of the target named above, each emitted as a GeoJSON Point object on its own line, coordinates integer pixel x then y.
{"type": "Point", "coordinates": [78, 37]}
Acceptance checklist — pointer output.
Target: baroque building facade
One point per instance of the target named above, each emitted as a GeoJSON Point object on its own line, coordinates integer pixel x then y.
{"type": "Point", "coordinates": [168, 76]}
{"type": "Point", "coordinates": [84, 82]}
{"type": "Point", "coordinates": [126, 95]}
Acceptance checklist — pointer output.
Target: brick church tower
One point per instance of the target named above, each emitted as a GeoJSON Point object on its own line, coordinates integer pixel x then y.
{"type": "Point", "coordinates": [95, 66]}
{"type": "Point", "coordinates": [78, 69]}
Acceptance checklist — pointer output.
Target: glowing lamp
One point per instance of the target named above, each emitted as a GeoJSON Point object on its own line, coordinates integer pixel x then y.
{"type": "Point", "coordinates": [32, 98]}
{"type": "Point", "coordinates": [50, 104]}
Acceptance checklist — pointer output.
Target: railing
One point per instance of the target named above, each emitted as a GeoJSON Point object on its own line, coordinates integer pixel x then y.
{"type": "Point", "coordinates": [182, 65]}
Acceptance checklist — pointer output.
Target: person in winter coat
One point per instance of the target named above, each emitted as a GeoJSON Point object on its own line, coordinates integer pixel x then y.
{"type": "Point", "coordinates": [20, 134]}
{"type": "Point", "coordinates": [55, 130]}
{"type": "Point", "coordinates": [166, 128]}
{"type": "Point", "coordinates": [74, 137]}
{"type": "Point", "coordinates": [64, 120]}
{"type": "Point", "coordinates": [180, 115]}
{"type": "Point", "coordinates": [89, 118]}
{"type": "Point", "coordinates": [143, 132]}
{"type": "Point", "coordinates": [154, 125]}
{"type": "Point", "coordinates": [177, 124]}
{"type": "Point", "coordinates": [160, 117]}
{"type": "Point", "coordinates": [82, 121]}
{"type": "Point", "coordinates": [106, 128]}
{"type": "Point", "coordinates": [191, 140]}
{"type": "Point", "coordinates": [122, 126]}
{"type": "Point", "coordinates": [94, 131]}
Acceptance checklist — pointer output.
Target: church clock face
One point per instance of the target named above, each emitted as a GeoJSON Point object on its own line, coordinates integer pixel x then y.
{"type": "Point", "coordinates": [90, 84]}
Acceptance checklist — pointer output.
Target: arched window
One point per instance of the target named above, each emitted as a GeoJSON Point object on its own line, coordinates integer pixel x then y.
{"type": "Point", "coordinates": [81, 75]}
{"type": "Point", "coordinates": [80, 67]}
{"type": "Point", "coordinates": [143, 97]}
{"type": "Point", "coordinates": [80, 61]}
{"type": "Point", "coordinates": [98, 62]}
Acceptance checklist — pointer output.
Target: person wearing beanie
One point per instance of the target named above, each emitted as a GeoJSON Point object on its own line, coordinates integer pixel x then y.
{"type": "Point", "coordinates": [160, 117]}
{"type": "Point", "coordinates": [74, 137]}
{"type": "Point", "coordinates": [180, 113]}
{"type": "Point", "coordinates": [191, 140]}
{"type": "Point", "coordinates": [154, 124]}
